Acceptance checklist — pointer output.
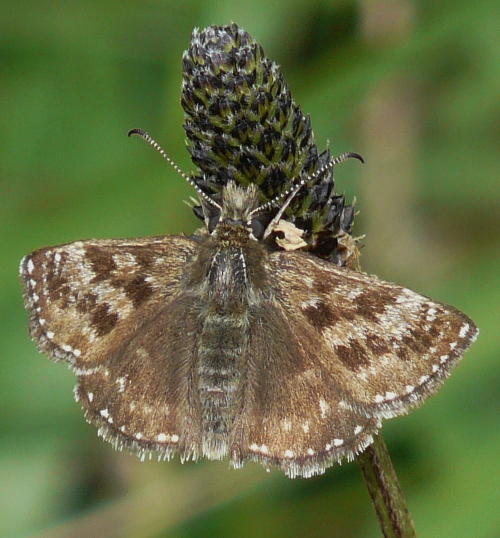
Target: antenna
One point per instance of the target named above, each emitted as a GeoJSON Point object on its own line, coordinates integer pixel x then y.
{"type": "Point", "coordinates": [143, 134]}
{"type": "Point", "coordinates": [290, 193]}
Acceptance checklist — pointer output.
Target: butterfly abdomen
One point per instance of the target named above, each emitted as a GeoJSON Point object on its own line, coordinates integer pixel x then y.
{"type": "Point", "coordinates": [222, 340]}
{"type": "Point", "coordinates": [219, 372]}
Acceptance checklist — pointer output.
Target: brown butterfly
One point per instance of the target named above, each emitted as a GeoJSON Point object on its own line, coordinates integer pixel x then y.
{"type": "Point", "coordinates": [224, 344]}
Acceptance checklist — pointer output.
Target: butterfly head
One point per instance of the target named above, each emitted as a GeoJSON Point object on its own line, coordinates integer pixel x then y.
{"type": "Point", "coordinates": [239, 209]}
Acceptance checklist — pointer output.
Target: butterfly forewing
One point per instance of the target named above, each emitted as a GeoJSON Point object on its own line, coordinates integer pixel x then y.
{"type": "Point", "coordinates": [387, 346]}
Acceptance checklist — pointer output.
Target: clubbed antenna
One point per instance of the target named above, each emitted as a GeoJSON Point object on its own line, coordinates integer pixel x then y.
{"type": "Point", "coordinates": [290, 194]}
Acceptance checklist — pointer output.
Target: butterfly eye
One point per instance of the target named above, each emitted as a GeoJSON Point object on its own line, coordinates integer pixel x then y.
{"type": "Point", "coordinates": [212, 223]}
{"type": "Point", "coordinates": [257, 228]}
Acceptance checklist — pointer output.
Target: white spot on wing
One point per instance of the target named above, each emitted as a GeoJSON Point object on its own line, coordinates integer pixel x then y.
{"type": "Point", "coordinates": [161, 437]}
{"type": "Point", "coordinates": [174, 438]}
{"type": "Point", "coordinates": [104, 413]}
{"type": "Point", "coordinates": [289, 453]}
{"type": "Point", "coordinates": [358, 430]}
{"type": "Point", "coordinates": [121, 381]}
{"type": "Point", "coordinates": [338, 442]}
{"type": "Point", "coordinates": [379, 398]}
{"type": "Point", "coordinates": [464, 330]}
{"type": "Point", "coordinates": [324, 407]}
{"type": "Point", "coordinates": [30, 266]}
{"type": "Point", "coordinates": [431, 314]}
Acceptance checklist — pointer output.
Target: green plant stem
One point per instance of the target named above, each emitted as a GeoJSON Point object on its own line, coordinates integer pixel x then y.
{"type": "Point", "coordinates": [387, 498]}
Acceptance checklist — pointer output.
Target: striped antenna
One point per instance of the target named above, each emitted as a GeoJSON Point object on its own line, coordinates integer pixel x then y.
{"type": "Point", "coordinates": [162, 152]}
{"type": "Point", "coordinates": [290, 193]}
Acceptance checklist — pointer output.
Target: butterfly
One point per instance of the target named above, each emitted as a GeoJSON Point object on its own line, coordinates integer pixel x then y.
{"type": "Point", "coordinates": [224, 344]}
{"type": "Point", "coordinates": [254, 338]}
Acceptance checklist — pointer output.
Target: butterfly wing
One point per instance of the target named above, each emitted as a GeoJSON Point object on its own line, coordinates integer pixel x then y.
{"type": "Point", "coordinates": [113, 311]}
{"type": "Point", "coordinates": [388, 347]}
{"type": "Point", "coordinates": [329, 351]}
{"type": "Point", "coordinates": [292, 413]}
{"type": "Point", "coordinates": [334, 351]}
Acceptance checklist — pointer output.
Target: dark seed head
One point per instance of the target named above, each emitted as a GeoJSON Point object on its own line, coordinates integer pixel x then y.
{"type": "Point", "coordinates": [243, 125]}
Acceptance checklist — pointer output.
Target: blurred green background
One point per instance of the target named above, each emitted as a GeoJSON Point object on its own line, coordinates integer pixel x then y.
{"type": "Point", "coordinates": [414, 87]}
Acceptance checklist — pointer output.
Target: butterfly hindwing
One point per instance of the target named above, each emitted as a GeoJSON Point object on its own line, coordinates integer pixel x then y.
{"type": "Point", "coordinates": [292, 413]}
{"type": "Point", "coordinates": [144, 397]}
